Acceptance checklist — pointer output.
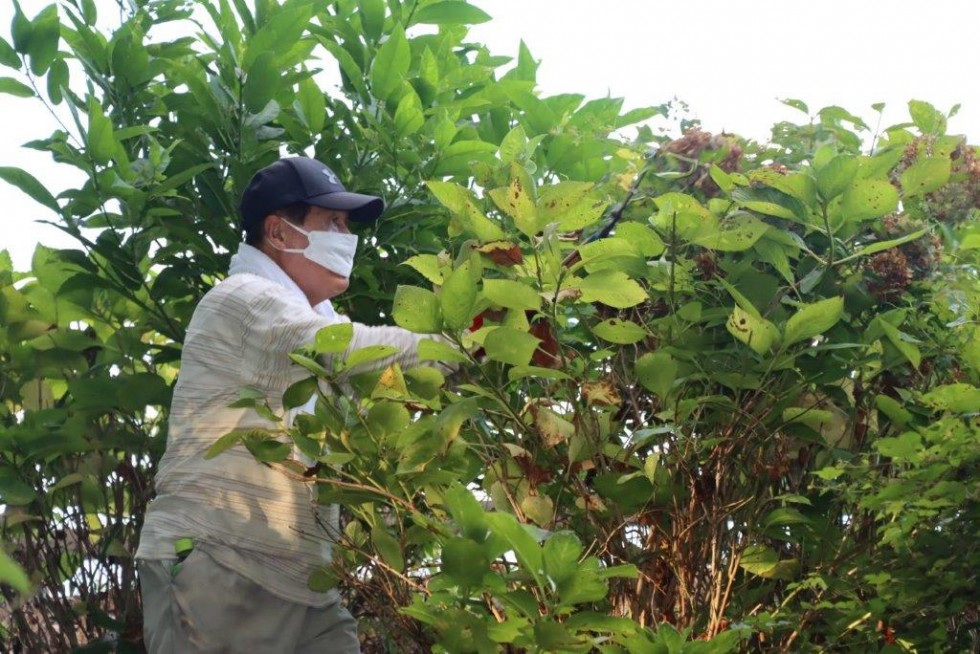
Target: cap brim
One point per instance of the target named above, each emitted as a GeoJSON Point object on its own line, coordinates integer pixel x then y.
{"type": "Point", "coordinates": [362, 208]}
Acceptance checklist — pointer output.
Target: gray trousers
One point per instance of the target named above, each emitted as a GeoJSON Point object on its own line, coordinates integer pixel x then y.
{"type": "Point", "coordinates": [204, 607]}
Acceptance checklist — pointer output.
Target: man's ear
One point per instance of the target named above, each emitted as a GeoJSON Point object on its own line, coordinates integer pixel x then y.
{"type": "Point", "coordinates": [272, 230]}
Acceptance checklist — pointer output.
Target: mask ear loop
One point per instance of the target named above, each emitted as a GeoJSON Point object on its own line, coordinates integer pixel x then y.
{"type": "Point", "coordinates": [292, 250]}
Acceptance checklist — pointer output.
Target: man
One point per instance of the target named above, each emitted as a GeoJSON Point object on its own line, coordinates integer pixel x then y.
{"type": "Point", "coordinates": [254, 536]}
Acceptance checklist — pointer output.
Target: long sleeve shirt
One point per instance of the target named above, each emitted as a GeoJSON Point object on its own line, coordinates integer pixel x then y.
{"type": "Point", "coordinates": [250, 517]}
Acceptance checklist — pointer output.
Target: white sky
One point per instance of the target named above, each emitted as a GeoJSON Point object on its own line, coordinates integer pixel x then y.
{"type": "Point", "coordinates": [729, 60]}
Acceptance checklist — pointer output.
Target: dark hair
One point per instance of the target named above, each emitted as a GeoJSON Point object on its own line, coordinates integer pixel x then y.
{"type": "Point", "coordinates": [294, 213]}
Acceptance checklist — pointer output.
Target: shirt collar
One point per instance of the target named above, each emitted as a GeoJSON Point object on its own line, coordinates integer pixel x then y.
{"type": "Point", "coordinates": [252, 260]}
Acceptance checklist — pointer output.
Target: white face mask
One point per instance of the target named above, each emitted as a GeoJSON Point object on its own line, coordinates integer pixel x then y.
{"type": "Point", "coordinates": [331, 249]}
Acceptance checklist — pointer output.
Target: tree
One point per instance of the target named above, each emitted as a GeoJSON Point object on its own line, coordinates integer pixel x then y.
{"type": "Point", "coordinates": [725, 425]}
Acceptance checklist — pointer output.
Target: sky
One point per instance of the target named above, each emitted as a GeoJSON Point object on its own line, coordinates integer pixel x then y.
{"type": "Point", "coordinates": [730, 61]}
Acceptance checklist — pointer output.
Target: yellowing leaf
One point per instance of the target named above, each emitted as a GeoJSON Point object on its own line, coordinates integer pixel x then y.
{"type": "Point", "coordinates": [755, 331]}
{"type": "Point", "coordinates": [516, 201]}
{"type": "Point", "coordinates": [869, 198]}
{"type": "Point", "coordinates": [602, 392]}
{"type": "Point", "coordinates": [553, 428]}
{"type": "Point", "coordinates": [511, 294]}
{"type": "Point", "coordinates": [617, 330]}
{"type": "Point", "coordinates": [612, 288]}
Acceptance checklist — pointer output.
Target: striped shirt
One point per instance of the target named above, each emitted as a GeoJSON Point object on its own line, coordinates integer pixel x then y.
{"type": "Point", "coordinates": [248, 516]}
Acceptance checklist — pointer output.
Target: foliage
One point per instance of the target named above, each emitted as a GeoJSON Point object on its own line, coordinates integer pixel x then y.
{"type": "Point", "coordinates": [745, 419]}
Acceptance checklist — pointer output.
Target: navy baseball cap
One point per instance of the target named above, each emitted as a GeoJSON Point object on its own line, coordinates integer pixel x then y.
{"type": "Point", "coordinates": [301, 179]}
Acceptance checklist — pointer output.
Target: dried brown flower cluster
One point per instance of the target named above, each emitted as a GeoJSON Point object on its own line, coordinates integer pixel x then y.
{"type": "Point", "coordinates": [955, 201]}
{"type": "Point", "coordinates": [697, 145]}
{"type": "Point", "coordinates": [895, 269]}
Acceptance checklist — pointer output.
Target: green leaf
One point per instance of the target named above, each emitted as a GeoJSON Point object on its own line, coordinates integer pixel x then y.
{"type": "Point", "coordinates": [894, 410]}
{"type": "Point", "coordinates": [784, 516]}
{"type": "Point", "coordinates": [90, 12]}
{"type": "Point", "coordinates": [12, 574]}
{"type": "Point", "coordinates": [796, 185]}
{"type": "Point", "coordinates": [390, 66]}
{"type": "Point", "coordinates": [299, 393]}
{"type": "Point", "coordinates": [372, 14]}
{"type": "Point", "coordinates": [323, 579]}
{"type": "Point", "coordinates": [721, 178]}
{"type": "Point", "coordinates": [458, 159]}
{"type": "Point", "coordinates": [310, 364]}
{"type": "Point", "coordinates": [958, 398]}
{"type": "Point", "coordinates": [130, 60]}
{"type": "Point", "coordinates": [408, 116]}
{"type": "Point", "coordinates": [525, 548]}
{"type": "Point", "coordinates": [368, 354]}
{"type": "Point", "coordinates": [351, 71]}
{"type": "Point", "coordinates": [511, 294]}
{"type": "Point", "coordinates": [100, 139]}
{"type": "Point", "coordinates": [656, 371]}
{"type": "Point", "coordinates": [753, 330]}
{"type": "Point", "coordinates": [57, 80]}
{"type": "Point", "coordinates": [333, 339]}
{"type": "Point", "coordinates": [927, 118]}
{"type": "Point", "coordinates": [733, 235]}
{"type": "Point", "coordinates": [460, 203]}
{"type": "Point", "coordinates": [815, 419]}
{"type": "Point", "coordinates": [8, 56]}
{"type": "Point", "coordinates": [509, 345]}
{"type": "Point", "coordinates": [775, 254]}
{"type": "Point", "coordinates": [880, 246]}
{"type": "Point", "coordinates": [799, 105]}
{"type": "Point", "coordinates": [21, 30]}
{"type": "Point", "coordinates": [926, 175]}
{"type": "Point", "coordinates": [617, 330]}
{"type": "Point", "coordinates": [261, 82]}
{"type": "Point", "coordinates": [743, 302]}
{"type": "Point", "coordinates": [450, 12]}
{"type": "Point", "coordinates": [764, 562]}
{"type": "Point", "coordinates": [813, 319]}
{"type": "Point", "coordinates": [458, 296]}
{"type": "Point", "coordinates": [266, 449]}
{"type": "Point", "coordinates": [313, 105]}
{"type": "Point", "coordinates": [612, 288]}
{"type": "Point", "coordinates": [644, 239]}
{"type": "Point", "coordinates": [430, 350]}
{"type": "Point", "coordinates": [770, 202]}
{"type": "Point", "coordinates": [137, 391]}
{"type": "Point", "coordinates": [513, 145]}
{"type": "Point", "coordinates": [388, 548]}
{"type": "Point", "coordinates": [13, 87]}
{"type": "Point", "coordinates": [465, 562]}
{"type": "Point", "coordinates": [560, 556]}
{"type": "Point", "coordinates": [417, 310]}
{"type": "Point", "coordinates": [29, 184]}
{"type": "Point", "coordinates": [834, 178]}
{"type": "Point", "coordinates": [466, 511]}
{"type": "Point", "coordinates": [428, 266]}
{"type": "Point", "coordinates": [650, 466]}
{"type": "Point", "coordinates": [13, 491]}
{"type": "Point", "coordinates": [901, 343]}
{"type": "Point", "coordinates": [45, 35]}
{"type": "Point", "coordinates": [869, 198]}
{"type": "Point", "coordinates": [903, 447]}
{"type": "Point", "coordinates": [226, 442]}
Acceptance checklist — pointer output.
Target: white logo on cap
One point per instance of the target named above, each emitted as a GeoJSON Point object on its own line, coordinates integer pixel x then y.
{"type": "Point", "coordinates": [329, 173]}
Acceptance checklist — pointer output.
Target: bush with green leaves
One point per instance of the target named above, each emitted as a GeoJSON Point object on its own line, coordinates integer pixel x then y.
{"type": "Point", "coordinates": [744, 419]}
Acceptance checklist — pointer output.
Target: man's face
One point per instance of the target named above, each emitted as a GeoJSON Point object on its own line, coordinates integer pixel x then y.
{"type": "Point", "coordinates": [314, 280]}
